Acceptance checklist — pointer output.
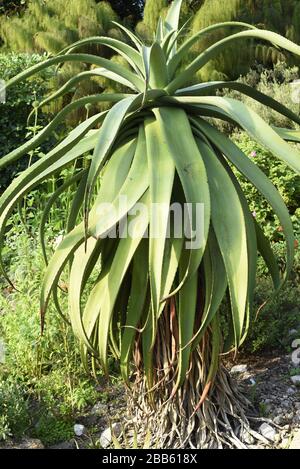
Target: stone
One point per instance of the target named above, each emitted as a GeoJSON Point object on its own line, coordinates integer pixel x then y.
{"type": "Point", "coordinates": [238, 369]}
{"type": "Point", "coordinates": [297, 417]}
{"type": "Point", "coordinates": [99, 409]}
{"type": "Point", "coordinates": [79, 429]}
{"type": "Point", "coordinates": [278, 420]}
{"type": "Point", "coordinates": [296, 380]}
{"type": "Point", "coordinates": [295, 444]}
{"type": "Point", "coordinates": [247, 438]}
{"type": "Point", "coordinates": [289, 417]}
{"type": "Point", "coordinates": [293, 332]}
{"type": "Point", "coordinates": [267, 432]}
{"type": "Point", "coordinates": [106, 436]}
{"type": "Point", "coordinates": [65, 445]}
{"type": "Point", "coordinates": [28, 443]}
{"type": "Point", "coordinates": [291, 391]}
{"type": "Point", "coordinates": [284, 443]}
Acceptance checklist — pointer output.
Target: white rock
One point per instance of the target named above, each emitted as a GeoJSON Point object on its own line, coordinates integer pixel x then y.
{"type": "Point", "coordinates": [238, 369]}
{"type": "Point", "coordinates": [296, 441]}
{"type": "Point", "coordinates": [291, 391]}
{"type": "Point", "coordinates": [267, 431]}
{"type": "Point", "coordinates": [79, 429]}
{"type": "Point", "coordinates": [106, 435]}
{"type": "Point", "coordinates": [293, 332]}
{"type": "Point", "coordinates": [296, 380]}
{"type": "Point", "coordinates": [284, 443]}
{"type": "Point", "coordinates": [278, 420]}
{"type": "Point", "coordinates": [252, 381]}
{"type": "Point", "coordinates": [247, 438]}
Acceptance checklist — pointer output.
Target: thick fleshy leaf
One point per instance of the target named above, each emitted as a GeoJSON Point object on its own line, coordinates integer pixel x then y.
{"type": "Point", "coordinates": [191, 171]}
{"type": "Point", "coordinates": [206, 88]}
{"type": "Point", "coordinates": [84, 58]}
{"type": "Point", "coordinates": [186, 323]}
{"type": "Point", "coordinates": [108, 134]}
{"type": "Point", "coordinates": [129, 53]}
{"type": "Point", "coordinates": [135, 40]}
{"type": "Point", "coordinates": [47, 131]}
{"type": "Point", "coordinates": [210, 53]}
{"type": "Point", "coordinates": [137, 303]}
{"type": "Point", "coordinates": [256, 127]}
{"type": "Point", "coordinates": [172, 19]}
{"type": "Point", "coordinates": [103, 296]}
{"type": "Point", "coordinates": [215, 285]}
{"type": "Point", "coordinates": [189, 43]}
{"type": "Point", "coordinates": [230, 227]}
{"type": "Point", "coordinates": [161, 177]}
{"type": "Point", "coordinates": [85, 258]}
{"type": "Point", "coordinates": [134, 186]}
{"type": "Point", "coordinates": [259, 180]}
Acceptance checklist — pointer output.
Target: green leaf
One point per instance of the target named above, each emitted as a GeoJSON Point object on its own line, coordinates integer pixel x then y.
{"type": "Point", "coordinates": [136, 306]}
{"type": "Point", "coordinates": [259, 180]}
{"type": "Point", "coordinates": [136, 81]}
{"type": "Point", "coordinates": [205, 88]}
{"type": "Point", "coordinates": [254, 125]}
{"type": "Point", "coordinates": [230, 227]}
{"type": "Point", "coordinates": [172, 19]}
{"type": "Point", "coordinates": [134, 186]}
{"type": "Point", "coordinates": [189, 43]}
{"type": "Point", "coordinates": [212, 51]}
{"type": "Point", "coordinates": [161, 177]}
{"type": "Point", "coordinates": [189, 165]}
{"type": "Point", "coordinates": [103, 296]}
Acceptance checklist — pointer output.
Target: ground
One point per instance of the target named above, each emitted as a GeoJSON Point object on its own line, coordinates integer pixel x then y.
{"type": "Point", "coordinates": [267, 383]}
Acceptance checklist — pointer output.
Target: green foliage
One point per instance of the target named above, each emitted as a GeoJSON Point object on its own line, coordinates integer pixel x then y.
{"type": "Point", "coordinates": [279, 16]}
{"type": "Point", "coordinates": [285, 180]}
{"type": "Point", "coordinates": [14, 411]}
{"type": "Point", "coordinates": [12, 7]}
{"type": "Point", "coordinates": [50, 26]}
{"type": "Point", "coordinates": [275, 83]}
{"type": "Point", "coordinates": [19, 101]}
{"type": "Point", "coordinates": [43, 385]}
{"type": "Point", "coordinates": [270, 330]}
{"type": "Point", "coordinates": [50, 430]}
{"type": "Point", "coordinates": [153, 301]}
{"type": "Point", "coordinates": [152, 11]}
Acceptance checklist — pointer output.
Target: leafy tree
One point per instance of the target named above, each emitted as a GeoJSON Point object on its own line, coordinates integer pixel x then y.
{"type": "Point", "coordinates": [143, 293]}
{"type": "Point", "coordinates": [125, 9]}
{"type": "Point", "coordinates": [152, 11]}
{"type": "Point", "coordinates": [12, 7]}
{"type": "Point", "coordinates": [276, 15]}
{"type": "Point", "coordinates": [49, 26]}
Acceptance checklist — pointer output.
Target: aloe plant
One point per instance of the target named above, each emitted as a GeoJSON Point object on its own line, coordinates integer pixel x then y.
{"type": "Point", "coordinates": [153, 302]}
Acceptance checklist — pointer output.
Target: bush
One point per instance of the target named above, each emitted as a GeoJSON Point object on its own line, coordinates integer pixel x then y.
{"type": "Point", "coordinates": [14, 112]}
{"type": "Point", "coordinates": [14, 416]}
{"type": "Point", "coordinates": [283, 178]}
{"type": "Point", "coordinates": [43, 384]}
{"type": "Point", "coordinates": [270, 330]}
{"type": "Point", "coordinates": [275, 83]}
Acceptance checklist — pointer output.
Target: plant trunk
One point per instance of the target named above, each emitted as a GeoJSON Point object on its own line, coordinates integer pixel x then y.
{"type": "Point", "coordinates": [203, 412]}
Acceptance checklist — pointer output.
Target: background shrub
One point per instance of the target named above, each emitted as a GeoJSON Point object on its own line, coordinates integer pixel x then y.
{"type": "Point", "coordinates": [14, 112]}
{"type": "Point", "coordinates": [283, 178]}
